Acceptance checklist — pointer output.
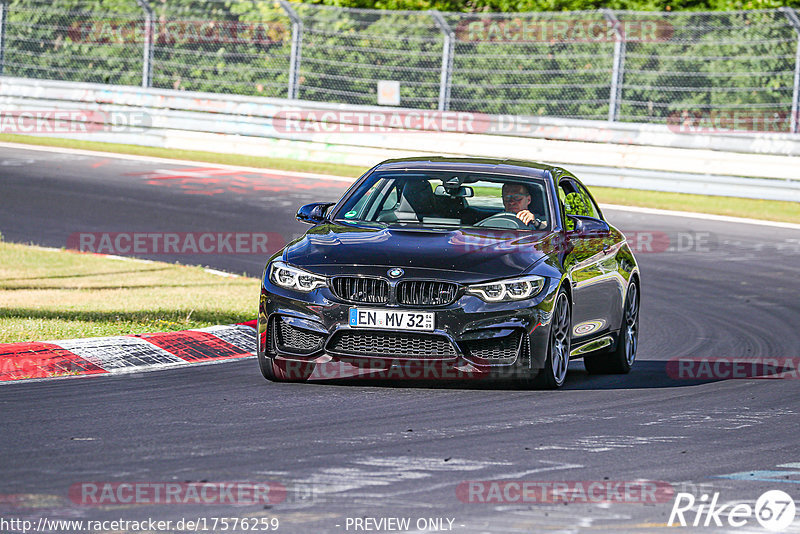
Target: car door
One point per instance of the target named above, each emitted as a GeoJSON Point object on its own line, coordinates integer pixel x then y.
{"type": "Point", "coordinates": [592, 265]}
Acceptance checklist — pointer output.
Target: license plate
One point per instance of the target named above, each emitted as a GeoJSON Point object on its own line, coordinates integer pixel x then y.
{"type": "Point", "coordinates": [391, 319]}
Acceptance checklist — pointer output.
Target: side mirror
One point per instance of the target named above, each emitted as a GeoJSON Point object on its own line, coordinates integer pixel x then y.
{"type": "Point", "coordinates": [313, 213]}
{"type": "Point", "coordinates": [464, 191]}
{"type": "Point", "coordinates": [588, 226]}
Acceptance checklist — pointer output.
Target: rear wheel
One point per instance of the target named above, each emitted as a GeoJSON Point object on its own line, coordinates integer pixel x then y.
{"type": "Point", "coordinates": [554, 373]}
{"type": "Point", "coordinates": [621, 359]}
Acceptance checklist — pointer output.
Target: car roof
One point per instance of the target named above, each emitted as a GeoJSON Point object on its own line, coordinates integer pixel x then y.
{"type": "Point", "coordinates": [503, 166]}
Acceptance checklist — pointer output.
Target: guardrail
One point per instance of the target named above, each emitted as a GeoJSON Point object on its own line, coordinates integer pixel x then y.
{"type": "Point", "coordinates": [657, 157]}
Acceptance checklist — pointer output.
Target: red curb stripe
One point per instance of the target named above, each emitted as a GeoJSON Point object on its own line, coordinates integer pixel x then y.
{"type": "Point", "coordinates": [19, 361]}
{"type": "Point", "coordinates": [251, 324]}
{"type": "Point", "coordinates": [194, 346]}
{"type": "Point", "coordinates": [31, 360]}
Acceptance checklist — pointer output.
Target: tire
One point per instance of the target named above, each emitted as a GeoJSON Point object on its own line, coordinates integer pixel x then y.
{"type": "Point", "coordinates": [554, 373]}
{"type": "Point", "coordinates": [623, 357]}
{"type": "Point", "coordinates": [265, 364]}
{"type": "Point", "coordinates": [283, 371]}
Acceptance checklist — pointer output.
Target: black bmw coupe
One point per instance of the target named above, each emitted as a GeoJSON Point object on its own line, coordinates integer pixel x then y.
{"type": "Point", "coordinates": [433, 268]}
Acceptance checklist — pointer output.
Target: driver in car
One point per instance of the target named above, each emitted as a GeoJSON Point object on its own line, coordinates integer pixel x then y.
{"type": "Point", "coordinates": [517, 199]}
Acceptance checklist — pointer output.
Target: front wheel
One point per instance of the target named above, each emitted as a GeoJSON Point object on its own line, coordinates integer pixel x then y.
{"type": "Point", "coordinates": [621, 359]}
{"type": "Point", "coordinates": [265, 364]}
{"type": "Point", "coordinates": [284, 371]}
{"type": "Point", "coordinates": [554, 373]}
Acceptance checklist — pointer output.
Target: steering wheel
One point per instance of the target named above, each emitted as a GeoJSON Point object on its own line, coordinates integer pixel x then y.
{"type": "Point", "coordinates": [508, 220]}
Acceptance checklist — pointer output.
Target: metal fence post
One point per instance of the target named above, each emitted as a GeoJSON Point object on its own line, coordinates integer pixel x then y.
{"type": "Point", "coordinates": [297, 45]}
{"type": "Point", "coordinates": [447, 59]}
{"type": "Point", "coordinates": [3, 13]}
{"type": "Point", "coordinates": [795, 22]}
{"type": "Point", "coordinates": [147, 49]}
{"type": "Point", "coordinates": [618, 67]}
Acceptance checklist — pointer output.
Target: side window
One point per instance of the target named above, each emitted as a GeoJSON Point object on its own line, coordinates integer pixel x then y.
{"type": "Point", "coordinates": [576, 201]}
{"type": "Point", "coordinates": [367, 206]}
{"type": "Point", "coordinates": [565, 189]}
{"type": "Point", "coordinates": [359, 207]}
{"type": "Point", "coordinates": [561, 193]}
{"type": "Point", "coordinates": [390, 202]}
{"type": "Point", "coordinates": [588, 203]}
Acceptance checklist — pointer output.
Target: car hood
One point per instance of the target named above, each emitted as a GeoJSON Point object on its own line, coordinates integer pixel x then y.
{"type": "Point", "coordinates": [484, 253]}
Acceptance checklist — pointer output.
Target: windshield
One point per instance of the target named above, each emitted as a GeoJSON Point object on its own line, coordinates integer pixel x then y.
{"type": "Point", "coordinates": [449, 199]}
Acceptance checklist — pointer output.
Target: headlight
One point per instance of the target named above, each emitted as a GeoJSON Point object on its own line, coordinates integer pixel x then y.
{"type": "Point", "coordinates": [520, 288]}
{"type": "Point", "coordinates": [285, 275]}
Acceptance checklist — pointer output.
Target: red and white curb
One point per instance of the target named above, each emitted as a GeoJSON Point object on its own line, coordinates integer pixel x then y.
{"type": "Point", "coordinates": [125, 354]}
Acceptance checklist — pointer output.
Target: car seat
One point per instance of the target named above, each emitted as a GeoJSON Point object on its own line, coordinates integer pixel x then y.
{"type": "Point", "coordinates": [416, 201]}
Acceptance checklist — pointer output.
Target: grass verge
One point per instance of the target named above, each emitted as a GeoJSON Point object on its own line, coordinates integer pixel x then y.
{"type": "Point", "coordinates": [771, 210]}
{"type": "Point", "coordinates": [58, 294]}
{"type": "Point", "coordinates": [768, 210]}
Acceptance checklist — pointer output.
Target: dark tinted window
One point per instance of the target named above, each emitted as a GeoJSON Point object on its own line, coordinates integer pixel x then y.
{"type": "Point", "coordinates": [447, 199]}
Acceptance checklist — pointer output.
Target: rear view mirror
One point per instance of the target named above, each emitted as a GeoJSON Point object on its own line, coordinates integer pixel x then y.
{"type": "Point", "coordinates": [313, 213]}
{"type": "Point", "coordinates": [464, 191]}
{"type": "Point", "coordinates": [583, 225]}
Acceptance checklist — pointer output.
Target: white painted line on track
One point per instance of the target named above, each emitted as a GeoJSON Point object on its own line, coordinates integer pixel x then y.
{"type": "Point", "coordinates": [217, 272]}
{"type": "Point", "coordinates": [115, 257]}
{"type": "Point", "coordinates": [316, 176]}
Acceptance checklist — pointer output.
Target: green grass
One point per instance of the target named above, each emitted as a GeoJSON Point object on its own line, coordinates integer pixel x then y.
{"type": "Point", "coordinates": [58, 294]}
{"type": "Point", "coordinates": [772, 210]}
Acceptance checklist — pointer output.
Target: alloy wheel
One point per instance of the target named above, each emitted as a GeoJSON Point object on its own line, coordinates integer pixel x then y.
{"type": "Point", "coordinates": [560, 339]}
{"type": "Point", "coordinates": [632, 324]}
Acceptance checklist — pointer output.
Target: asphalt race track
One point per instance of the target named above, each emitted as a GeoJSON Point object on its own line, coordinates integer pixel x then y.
{"type": "Point", "coordinates": [378, 450]}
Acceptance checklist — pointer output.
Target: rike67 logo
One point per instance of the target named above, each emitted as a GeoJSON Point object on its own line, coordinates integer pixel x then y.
{"type": "Point", "coordinates": [774, 510]}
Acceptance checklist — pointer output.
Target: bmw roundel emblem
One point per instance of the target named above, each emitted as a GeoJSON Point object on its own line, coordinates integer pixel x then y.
{"type": "Point", "coordinates": [396, 272]}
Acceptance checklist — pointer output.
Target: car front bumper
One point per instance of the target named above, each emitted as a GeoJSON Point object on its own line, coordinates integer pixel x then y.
{"type": "Point", "coordinates": [309, 334]}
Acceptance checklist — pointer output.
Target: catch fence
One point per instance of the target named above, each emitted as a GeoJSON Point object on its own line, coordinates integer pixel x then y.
{"type": "Point", "coordinates": [740, 69]}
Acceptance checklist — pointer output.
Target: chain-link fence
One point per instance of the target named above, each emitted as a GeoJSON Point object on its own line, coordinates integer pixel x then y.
{"type": "Point", "coordinates": [607, 65]}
